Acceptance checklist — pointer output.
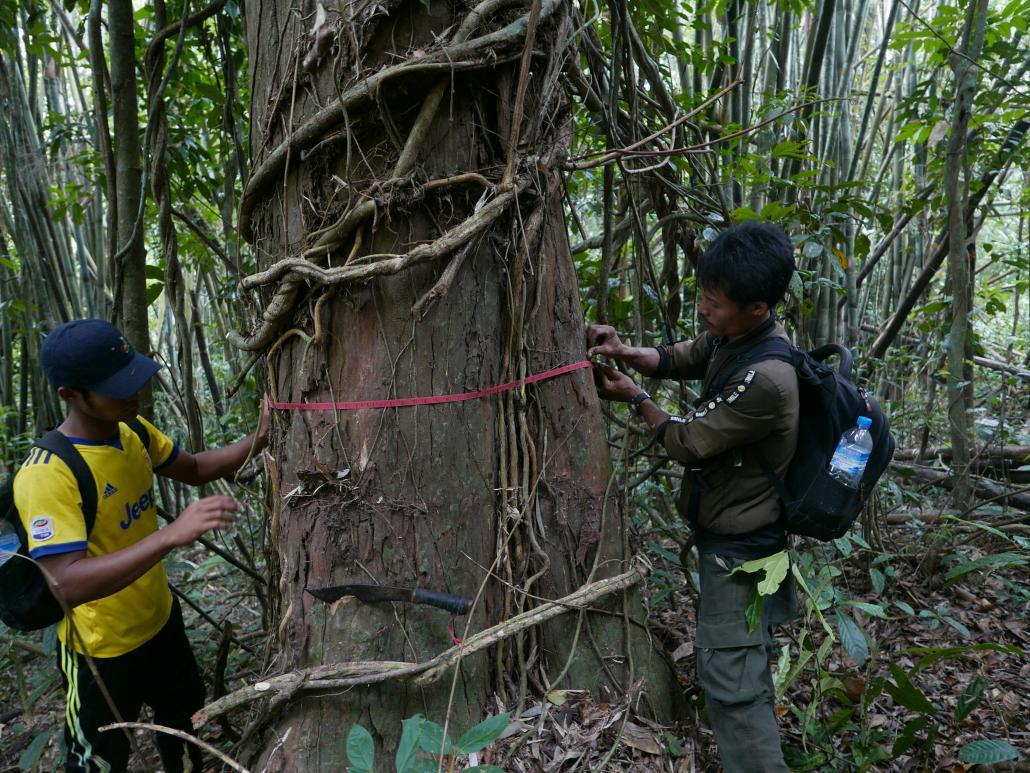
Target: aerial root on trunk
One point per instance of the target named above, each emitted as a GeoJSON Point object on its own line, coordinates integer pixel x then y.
{"type": "Point", "coordinates": [293, 271]}
{"type": "Point", "coordinates": [334, 676]}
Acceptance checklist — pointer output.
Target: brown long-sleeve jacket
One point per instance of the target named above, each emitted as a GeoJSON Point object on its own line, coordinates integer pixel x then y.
{"type": "Point", "coordinates": [756, 411]}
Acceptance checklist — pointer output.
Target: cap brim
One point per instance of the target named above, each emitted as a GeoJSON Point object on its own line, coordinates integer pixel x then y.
{"type": "Point", "coordinates": [129, 380]}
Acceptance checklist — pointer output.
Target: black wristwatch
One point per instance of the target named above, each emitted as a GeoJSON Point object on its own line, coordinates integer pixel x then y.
{"type": "Point", "coordinates": [638, 400]}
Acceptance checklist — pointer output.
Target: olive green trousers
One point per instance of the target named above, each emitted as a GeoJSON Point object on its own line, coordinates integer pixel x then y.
{"type": "Point", "coordinates": [733, 665]}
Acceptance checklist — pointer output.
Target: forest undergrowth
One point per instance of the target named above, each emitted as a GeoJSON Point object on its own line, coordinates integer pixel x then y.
{"type": "Point", "coordinates": [945, 662]}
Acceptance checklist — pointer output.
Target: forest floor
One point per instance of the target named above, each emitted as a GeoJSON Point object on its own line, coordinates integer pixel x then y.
{"type": "Point", "coordinates": [844, 718]}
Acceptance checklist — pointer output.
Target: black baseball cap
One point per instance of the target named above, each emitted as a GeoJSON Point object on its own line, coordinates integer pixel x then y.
{"type": "Point", "coordinates": [93, 354]}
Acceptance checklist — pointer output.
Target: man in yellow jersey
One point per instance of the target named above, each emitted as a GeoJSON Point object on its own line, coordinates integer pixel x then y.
{"type": "Point", "coordinates": [112, 578]}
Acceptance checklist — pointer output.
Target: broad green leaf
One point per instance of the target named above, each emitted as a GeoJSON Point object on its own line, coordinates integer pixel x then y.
{"type": "Point", "coordinates": [775, 568]}
{"type": "Point", "coordinates": [744, 213]}
{"type": "Point", "coordinates": [965, 632]}
{"type": "Point", "coordinates": [797, 286]}
{"type": "Point", "coordinates": [873, 610]}
{"type": "Point", "coordinates": [970, 698]}
{"type": "Point", "coordinates": [861, 245]}
{"type": "Point", "coordinates": [408, 746]}
{"type": "Point", "coordinates": [154, 290]}
{"type": "Point", "coordinates": [852, 638]}
{"type": "Point", "coordinates": [753, 610]}
{"type": "Point", "coordinates": [431, 740]}
{"type": "Point", "coordinates": [776, 210]}
{"type": "Point", "coordinates": [879, 581]}
{"type": "Point", "coordinates": [907, 694]}
{"type": "Point", "coordinates": [483, 734]}
{"type": "Point", "coordinates": [987, 752]}
{"type": "Point", "coordinates": [361, 749]}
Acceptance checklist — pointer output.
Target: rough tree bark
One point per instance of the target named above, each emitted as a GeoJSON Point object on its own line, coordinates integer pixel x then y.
{"type": "Point", "coordinates": [354, 166]}
{"type": "Point", "coordinates": [129, 271]}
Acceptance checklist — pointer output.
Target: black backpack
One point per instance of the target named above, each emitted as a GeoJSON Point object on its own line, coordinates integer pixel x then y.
{"type": "Point", "coordinates": [814, 503]}
{"type": "Point", "coordinates": [26, 602]}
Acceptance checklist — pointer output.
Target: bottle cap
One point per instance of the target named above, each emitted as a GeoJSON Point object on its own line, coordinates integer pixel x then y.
{"type": "Point", "coordinates": [865, 422]}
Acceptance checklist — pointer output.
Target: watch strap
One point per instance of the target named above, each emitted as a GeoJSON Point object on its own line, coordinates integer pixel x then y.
{"type": "Point", "coordinates": [636, 402]}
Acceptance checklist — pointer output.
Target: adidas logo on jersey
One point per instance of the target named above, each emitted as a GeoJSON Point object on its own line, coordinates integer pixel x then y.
{"type": "Point", "coordinates": [109, 490]}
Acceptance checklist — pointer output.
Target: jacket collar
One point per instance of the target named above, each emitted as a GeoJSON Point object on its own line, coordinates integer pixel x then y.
{"type": "Point", "coordinates": [742, 344]}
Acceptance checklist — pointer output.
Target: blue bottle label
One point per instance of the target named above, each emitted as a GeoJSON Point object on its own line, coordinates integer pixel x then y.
{"type": "Point", "coordinates": [9, 545]}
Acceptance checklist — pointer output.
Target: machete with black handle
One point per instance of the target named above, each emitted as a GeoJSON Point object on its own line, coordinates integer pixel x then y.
{"type": "Point", "coordinates": [376, 594]}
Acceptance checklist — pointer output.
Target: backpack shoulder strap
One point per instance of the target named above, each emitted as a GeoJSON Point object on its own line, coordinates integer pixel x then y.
{"type": "Point", "coordinates": [141, 432]}
{"type": "Point", "coordinates": [65, 450]}
{"type": "Point", "coordinates": [773, 348]}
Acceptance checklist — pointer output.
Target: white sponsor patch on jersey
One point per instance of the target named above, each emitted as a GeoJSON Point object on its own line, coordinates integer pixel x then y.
{"type": "Point", "coordinates": [41, 529]}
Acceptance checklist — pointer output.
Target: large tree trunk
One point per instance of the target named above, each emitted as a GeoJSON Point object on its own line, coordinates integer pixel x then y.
{"type": "Point", "coordinates": [511, 492]}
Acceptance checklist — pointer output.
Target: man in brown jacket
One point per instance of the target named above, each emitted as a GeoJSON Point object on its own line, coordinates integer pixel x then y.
{"type": "Point", "coordinates": [727, 497]}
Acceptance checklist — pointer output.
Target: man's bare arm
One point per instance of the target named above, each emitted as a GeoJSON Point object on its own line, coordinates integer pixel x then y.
{"type": "Point", "coordinates": [80, 579]}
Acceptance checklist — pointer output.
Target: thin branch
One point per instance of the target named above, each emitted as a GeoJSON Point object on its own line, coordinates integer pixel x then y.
{"type": "Point", "coordinates": [178, 734]}
{"type": "Point", "coordinates": [341, 675]}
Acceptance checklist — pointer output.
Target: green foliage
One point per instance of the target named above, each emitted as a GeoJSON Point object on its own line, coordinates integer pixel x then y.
{"type": "Point", "coordinates": [361, 750]}
{"type": "Point", "coordinates": [987, 564]}
{"type": "Point", "coordinates": [988, 752]}
{"type": "Point", "coordinates": [29, 759]}
{"type": "Point", "coordinates": [852, 638]}
{"type": "Point", "coordinates": [419, 734]}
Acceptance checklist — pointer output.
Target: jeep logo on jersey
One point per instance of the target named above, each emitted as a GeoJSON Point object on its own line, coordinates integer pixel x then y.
{"type": "Point", "coordinates": [136, 509]}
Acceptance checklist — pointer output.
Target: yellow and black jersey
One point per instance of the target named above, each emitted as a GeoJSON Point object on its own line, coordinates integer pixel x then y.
{"type": "Point", "coordinates": [50, 506]}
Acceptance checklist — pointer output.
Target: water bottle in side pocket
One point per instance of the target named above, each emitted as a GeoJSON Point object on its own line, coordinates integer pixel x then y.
{"type": "Point", "coordinates": [849, 460]}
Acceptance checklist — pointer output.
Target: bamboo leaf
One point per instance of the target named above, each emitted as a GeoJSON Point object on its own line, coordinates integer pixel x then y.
{"type": "Point", "coordinates": [989, 563]}
{"type": "Point", "coordinates": [907, 694]}
{"type": "Point", "coordinates": [970, 698]}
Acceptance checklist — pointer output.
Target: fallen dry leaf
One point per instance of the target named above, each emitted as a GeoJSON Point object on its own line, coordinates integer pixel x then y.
{"type": "Point", "coordinates": [640, 738]}
{"type": "Point", "coordinates": [684, 650]}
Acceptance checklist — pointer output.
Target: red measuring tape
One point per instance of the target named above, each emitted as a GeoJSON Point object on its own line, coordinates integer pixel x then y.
{"type": "Point", "coordinates": [408, 402]}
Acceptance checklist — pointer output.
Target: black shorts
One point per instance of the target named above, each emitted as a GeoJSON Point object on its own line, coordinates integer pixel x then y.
{"type": "Point", "coordinates": [161, 673]}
